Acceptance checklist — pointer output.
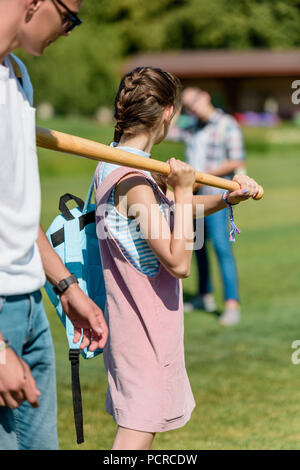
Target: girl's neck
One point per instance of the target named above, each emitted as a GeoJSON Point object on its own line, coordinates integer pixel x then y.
{"type": "Point", "coordinates": [142, 142]}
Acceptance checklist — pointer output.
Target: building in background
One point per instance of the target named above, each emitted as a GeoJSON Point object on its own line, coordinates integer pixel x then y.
{"type": "Point", "coordinates": [245, 82]}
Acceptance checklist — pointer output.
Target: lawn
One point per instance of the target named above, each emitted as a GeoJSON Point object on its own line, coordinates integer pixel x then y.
{"type": "Point", "coordinates": [244, 382]}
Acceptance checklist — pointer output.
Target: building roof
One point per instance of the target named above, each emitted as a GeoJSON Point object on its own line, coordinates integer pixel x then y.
{"type": "Point", "coordinates": [221, 63]}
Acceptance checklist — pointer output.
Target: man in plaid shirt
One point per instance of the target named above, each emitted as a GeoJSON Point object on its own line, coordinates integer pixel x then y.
{"type": "Point", "coordinates": [213, 144]}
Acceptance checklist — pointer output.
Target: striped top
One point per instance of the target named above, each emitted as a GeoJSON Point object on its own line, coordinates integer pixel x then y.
{"type": "Point", "coordinates": [125, 230]}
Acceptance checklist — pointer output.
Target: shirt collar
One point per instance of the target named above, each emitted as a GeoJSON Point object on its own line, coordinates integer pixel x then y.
{"type": "Point", "coordinates": [216, 116]}
{"type": "Point", "coordinates": [131, 150]}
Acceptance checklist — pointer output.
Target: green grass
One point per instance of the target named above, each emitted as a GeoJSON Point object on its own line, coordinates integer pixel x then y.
{"type": "Point", "coordinates": [245, 385]}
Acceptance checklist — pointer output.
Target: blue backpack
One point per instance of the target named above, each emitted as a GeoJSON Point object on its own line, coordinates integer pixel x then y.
{"type": "Point", "coordinates": [73, 236]}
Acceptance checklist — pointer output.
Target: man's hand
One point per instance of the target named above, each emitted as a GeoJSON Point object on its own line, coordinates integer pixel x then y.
{"type": "Point", "coordinates": [86, 315]}
{"type": "Point", "coordinates": [16, 382]}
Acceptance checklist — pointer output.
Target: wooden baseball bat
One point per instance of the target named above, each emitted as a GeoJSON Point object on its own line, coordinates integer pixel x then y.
{"type": "Point", "coordinates": [71, 144]}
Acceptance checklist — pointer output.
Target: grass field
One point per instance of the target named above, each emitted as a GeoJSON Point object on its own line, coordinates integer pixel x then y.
{"type": "Point", "coordinates": [244, 382]}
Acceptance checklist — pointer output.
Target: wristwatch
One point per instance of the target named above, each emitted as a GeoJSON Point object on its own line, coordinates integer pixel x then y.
{"type": "Point", "coordinates": [63, 285]}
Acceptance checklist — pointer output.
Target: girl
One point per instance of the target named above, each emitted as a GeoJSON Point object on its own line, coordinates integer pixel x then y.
{"type": "Point", "coordinates": [146, 249]}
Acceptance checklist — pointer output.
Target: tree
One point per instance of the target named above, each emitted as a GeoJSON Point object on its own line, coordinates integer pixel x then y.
{"type": "Point", "coordinates": [82, 72]}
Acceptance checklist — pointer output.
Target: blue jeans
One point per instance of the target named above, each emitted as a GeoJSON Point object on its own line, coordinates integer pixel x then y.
{"type": "Point", "coordinates": [24, 324]}
{"type": "Point", "coordinates": [216, 229]}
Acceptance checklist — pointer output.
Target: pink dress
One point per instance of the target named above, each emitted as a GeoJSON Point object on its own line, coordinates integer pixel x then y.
{"type": "Point", "coordinates": [148, 387]}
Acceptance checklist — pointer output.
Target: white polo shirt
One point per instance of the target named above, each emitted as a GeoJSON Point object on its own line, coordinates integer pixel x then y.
{"type": "Point", "coordinates": [21, 270]}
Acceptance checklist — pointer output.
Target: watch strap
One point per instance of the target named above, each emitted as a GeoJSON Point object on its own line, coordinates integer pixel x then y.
{"type": "Point", "coordinates": [62, 285]}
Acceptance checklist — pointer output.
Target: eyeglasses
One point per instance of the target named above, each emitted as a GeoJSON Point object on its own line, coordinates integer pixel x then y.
{"type": "Point", "coordinates": [70, 21]}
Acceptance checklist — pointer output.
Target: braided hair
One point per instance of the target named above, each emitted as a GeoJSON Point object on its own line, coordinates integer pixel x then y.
{"type": "Point", "coordinates": [141, 99]}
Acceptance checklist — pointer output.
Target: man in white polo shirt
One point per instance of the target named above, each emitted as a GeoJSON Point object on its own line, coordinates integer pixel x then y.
{"type": "Point", "coordinates": [27, 368]}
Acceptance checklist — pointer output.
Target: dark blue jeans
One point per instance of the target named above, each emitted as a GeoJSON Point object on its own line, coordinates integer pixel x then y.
{"type": "Point", "coordinates": [216, 229]}
{"type": "Point", "coordinates": [24, 324]}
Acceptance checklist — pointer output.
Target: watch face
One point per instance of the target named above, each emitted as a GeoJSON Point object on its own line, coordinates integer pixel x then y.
{"type": "Point", "coordinates": [63, 284]}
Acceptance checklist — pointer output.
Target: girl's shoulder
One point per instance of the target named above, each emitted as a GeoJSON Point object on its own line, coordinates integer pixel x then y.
{"type": "Point", "coordinates": [103, 170]}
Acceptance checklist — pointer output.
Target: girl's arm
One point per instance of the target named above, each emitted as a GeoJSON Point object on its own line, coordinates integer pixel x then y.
{"type": "Point", "coordinates": [173, 249]}
{"type": "Point", "coordinates": [214, 203]}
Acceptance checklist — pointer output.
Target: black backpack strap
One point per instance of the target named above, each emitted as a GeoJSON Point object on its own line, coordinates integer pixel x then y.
{"type": "Point", "coordinates": [76, 392]}
{"type": "Point", "coordinates": [63, 207]}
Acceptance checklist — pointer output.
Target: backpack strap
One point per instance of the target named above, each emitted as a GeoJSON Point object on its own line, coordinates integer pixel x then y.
{"type": "Point", "coordinates": [74, 355]}
{"type": "Point", "coordinates": [63, 207]}
{"type": "Point", "coordinates": [71, 231]}
{"type": "Point", "coordinates": [22, 77]}
{"type": "Point", "coordinates": [87, 204]}
{"type": "Point", "coordinates": [103, 190]}
{"type": "Point", "coordinates": [16, 69]}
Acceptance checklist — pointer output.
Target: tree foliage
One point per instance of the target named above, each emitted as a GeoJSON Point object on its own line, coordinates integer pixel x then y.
{"type": "Point", "coordinates": [80, 73]}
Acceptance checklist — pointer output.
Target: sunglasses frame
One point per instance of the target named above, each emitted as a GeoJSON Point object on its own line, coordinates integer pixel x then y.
{"type": "Point", "coordinates": [75, 21]}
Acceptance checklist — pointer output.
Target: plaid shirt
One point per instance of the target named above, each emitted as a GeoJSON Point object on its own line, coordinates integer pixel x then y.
{"type": "Point", "coordinates": [209, 146]}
